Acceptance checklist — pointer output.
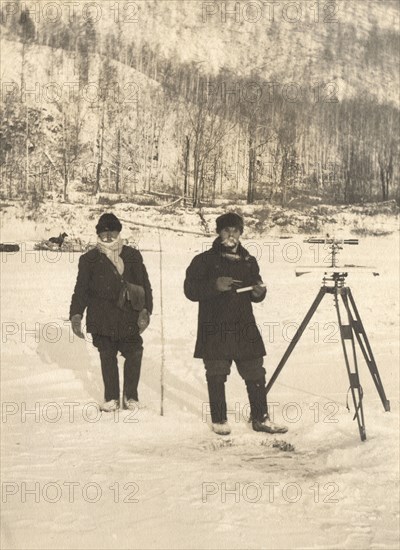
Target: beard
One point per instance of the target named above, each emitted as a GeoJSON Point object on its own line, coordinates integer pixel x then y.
{"type": "Point", "coordinates": [230, 242]}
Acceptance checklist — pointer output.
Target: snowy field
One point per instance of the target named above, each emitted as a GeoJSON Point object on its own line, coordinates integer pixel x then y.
{"type": "Point", "coordinates": [74, 478]}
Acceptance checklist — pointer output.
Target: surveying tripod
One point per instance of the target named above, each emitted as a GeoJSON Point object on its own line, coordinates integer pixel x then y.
{"type": "Point", "coordinates": [350, 331]}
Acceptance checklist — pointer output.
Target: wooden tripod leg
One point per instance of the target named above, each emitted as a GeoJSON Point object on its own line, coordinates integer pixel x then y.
{"type": "Point", "coordinates": [364, 344]}
{"type": "Point", "coordinates": [296, 337]}
{"type": "Point", "coordinates": [346, 333]}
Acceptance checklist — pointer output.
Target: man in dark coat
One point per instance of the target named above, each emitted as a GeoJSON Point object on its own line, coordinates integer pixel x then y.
{"type": "Point", "coordinates": [227, 329]}
{"type": "Point", "coordinates": [114, 287]}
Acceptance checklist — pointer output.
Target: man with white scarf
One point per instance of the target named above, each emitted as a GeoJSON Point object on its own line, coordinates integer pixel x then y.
{"type": "Point", "coordinates": [114, 287]}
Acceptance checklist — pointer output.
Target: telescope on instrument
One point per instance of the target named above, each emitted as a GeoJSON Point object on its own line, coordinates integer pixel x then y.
{"type": "Point", "coordinates": [335, 245]}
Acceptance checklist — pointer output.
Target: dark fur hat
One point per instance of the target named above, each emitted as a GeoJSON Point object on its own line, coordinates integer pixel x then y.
{"type": "Point", "coordinates": [229, 220]}
{"type": "Point", "coordinates": [108, 222]}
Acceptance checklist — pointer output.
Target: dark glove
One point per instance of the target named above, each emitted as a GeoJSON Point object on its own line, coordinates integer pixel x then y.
{"type": "Point", "coordinates": [223, 284]}
{"type": "Point", "coordinates": [258, 291]}
{"type": "Point", "coordinates": [76, 323]}
{"type": "Point", "coordinates": [143, 320]}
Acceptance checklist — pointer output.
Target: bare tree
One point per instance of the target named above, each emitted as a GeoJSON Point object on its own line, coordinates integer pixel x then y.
{"type": "Point", "coordinates": [209, 123]}
{"type": "Point", "coordinates": [71, 148]}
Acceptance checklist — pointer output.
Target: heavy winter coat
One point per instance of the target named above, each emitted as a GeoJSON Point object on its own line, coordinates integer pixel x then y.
{"type": "Point", "coordinates": [226, 325]}
{"type": "Point", "coordinates": [98, 288]}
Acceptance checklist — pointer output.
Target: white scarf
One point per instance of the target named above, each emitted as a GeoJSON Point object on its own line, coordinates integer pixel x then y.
{"type": "Point", "coordinates": [112, 250]}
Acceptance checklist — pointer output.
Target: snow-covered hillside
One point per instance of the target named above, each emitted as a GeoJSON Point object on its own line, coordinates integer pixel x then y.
{"type": "Point", "coordinates": [144, 481]}
{"type": "Point", "coordinates": [116, 99]}
{"type": "Point", "coordinates": [350, 44]}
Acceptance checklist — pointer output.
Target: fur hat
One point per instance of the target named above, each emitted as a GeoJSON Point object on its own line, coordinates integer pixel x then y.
{"type": "Point", "coordinates": [229, 220]}
{"type": "Point", "coordinates": [108, 222]}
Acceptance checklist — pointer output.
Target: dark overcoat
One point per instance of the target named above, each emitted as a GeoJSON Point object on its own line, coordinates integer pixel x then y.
{"type": "Point", "coordinates": [226, 325]}
{"type": "Point", "coordinates": [98, 288]}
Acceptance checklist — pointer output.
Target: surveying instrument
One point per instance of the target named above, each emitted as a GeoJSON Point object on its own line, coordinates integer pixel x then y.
{"type": "Point", "coordinates": [352, 331]}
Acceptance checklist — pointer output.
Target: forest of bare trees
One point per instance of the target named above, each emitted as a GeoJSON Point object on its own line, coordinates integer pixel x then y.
{"type": "Point", "coordinates": [186, 132]}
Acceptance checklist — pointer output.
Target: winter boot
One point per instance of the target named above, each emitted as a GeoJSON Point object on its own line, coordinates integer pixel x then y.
{"type": "Point", "coordinates": [216, 394]}
{"type": "Point", "coordinates": [221, 428]}
{"type": "Point", "coordinates": [132, 404]}
{"type": "Point", "coordinates": [258, 408]}
{"type": "Point", "coordinates": [110, 406]}
{"type": "Point", "coordinates": [267, 426]}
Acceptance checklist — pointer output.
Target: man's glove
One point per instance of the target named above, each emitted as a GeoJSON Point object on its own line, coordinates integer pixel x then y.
{"type": "Point", "coordinates": [224, 284]}
{"type": "Point", "coordinates": [76, 323]}
{"type": "Point", "coordinates": [143, 320]}
{"type": "Point", "coordinates": [258, 291]}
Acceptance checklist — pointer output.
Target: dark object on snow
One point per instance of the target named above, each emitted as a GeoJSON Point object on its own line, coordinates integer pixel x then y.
{"type": "Point", "coordinates": [108, 222]}
{"type": "Point", "coordinates": [58, 240]}
{"type": "Point", "coordinates": [229, 220]}
{"type": "Point", "coordinates": [72, 245]}
{"type": "Point", "coordinates": [9, 247]}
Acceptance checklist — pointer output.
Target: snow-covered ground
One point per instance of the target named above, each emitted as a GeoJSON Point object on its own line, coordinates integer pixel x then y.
{"type": "Point", "coordinates": [149, 481]}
